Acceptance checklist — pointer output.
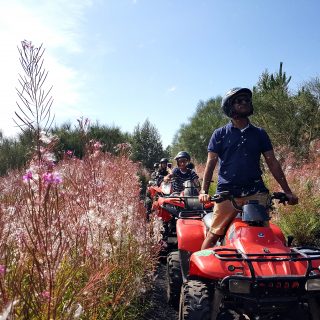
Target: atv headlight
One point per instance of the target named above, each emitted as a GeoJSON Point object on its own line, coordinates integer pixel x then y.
{"type": "Point", "coordinates": [166, 188]}
{"type": "Point", "coordinates": [239, 286]}
{"type": "Point", "coordinates": [313, 285]}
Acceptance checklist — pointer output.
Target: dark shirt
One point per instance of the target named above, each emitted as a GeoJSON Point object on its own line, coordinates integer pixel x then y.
{"type": "Point", "coordinates": [161, 174]}
{"type": "Point", "coordinates": [180, 177]}
{"type": "Point", "coordinates": [154, 175]}
{"type": "Point", "coordinates": [239, 154]}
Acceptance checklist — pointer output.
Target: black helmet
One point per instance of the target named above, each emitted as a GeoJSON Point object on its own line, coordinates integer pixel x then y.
{"type": "Point", "coordinates": [182, 154]}
{"type": "Point", "coordinates": [226, 103]}
{"type": "Point", "coordinates": [164, 160]}
{"type": "Point", "coordinates": [156, 165]}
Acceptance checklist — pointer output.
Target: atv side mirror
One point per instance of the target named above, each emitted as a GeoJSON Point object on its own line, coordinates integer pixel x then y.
{"type": "Point", "coordinates": [290, 240]}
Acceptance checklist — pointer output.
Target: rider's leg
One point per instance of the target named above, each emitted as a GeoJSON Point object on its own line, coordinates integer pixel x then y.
{"type": "Point", "coordinates": [210, 240]}
{"type": "Point", "coordinates": [223, 214]}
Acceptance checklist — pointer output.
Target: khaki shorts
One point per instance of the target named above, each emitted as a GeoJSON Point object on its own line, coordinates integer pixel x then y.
{"type": "Point", "coordinates": [224, 212]}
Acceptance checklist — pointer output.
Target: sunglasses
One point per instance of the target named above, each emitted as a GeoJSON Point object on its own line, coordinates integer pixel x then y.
{"type": "Point", "coordinates": [241, 99]}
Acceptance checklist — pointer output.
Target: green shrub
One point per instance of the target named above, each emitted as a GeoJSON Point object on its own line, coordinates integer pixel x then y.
{"type": "Point", "coordinates": [303, 220]}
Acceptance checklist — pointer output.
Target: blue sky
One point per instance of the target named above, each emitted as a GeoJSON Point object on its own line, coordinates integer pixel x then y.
{"type": "Point", "coordinates": [123, 61]}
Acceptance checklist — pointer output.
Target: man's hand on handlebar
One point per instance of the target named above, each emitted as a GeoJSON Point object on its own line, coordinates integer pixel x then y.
{"type": "Point", "coordinates": [204, 198]}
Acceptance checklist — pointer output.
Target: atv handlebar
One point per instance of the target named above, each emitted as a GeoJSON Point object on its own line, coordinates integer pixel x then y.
{"type": "Point", "coordinates": [280, 196]}
{"type": "Point", "coordinates": [226, 195]}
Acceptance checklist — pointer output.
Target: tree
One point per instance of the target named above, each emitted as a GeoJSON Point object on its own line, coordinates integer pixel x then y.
{"type": "Point", "coordinates": [194, 136]}
{"type": "Point", "coordinates": [290, 119]}
{"type": "Point", "coordinates": [110, 137]}
{"type": "Point", "coordinates": [146, 144]}
{"type": "Point", "coordinates": [308, 115]}
{"type": "Point", "coordinates": [276, 81]}
{"type": "Point", "coordinates": [274, 108]}
{"type": "Point", "coordinates": [14, 153]}
{"type": "Point", "coordinates": [72, 138]}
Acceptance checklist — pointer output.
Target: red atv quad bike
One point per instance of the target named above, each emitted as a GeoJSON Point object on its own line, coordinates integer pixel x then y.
{"type": "Point", "coordinates": [152, 194]}
{"type": "Point", "coordinates": [168, 206]}
{"type": "Point", "coordinates": [253, 273]}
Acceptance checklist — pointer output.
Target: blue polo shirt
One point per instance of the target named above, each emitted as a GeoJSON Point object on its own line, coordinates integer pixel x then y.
{"type": "Point", "coordinates": [239, 154]}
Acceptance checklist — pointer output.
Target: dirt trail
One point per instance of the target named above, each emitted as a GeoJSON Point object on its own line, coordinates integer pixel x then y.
{"type": "Point", "coordinates": [160, 310]}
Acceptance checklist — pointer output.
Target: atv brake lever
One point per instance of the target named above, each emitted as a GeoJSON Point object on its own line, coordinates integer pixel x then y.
{"type": "Point", "coordinates": [218, 200]}
{"type": "Point", "coordinates": [220, 197]}
{"type": "Point", "coordinates": [281, 197]}
{"type": "Point", "coordinates": [283, 201]}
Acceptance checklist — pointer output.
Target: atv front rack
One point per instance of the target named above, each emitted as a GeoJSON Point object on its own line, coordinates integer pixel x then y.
{"type": "Point", "coordinates": [296, 254]}
{"type": "Point", "coordinates": [186, 214]}
{"type": "Point", "coordinates": [191, 214]}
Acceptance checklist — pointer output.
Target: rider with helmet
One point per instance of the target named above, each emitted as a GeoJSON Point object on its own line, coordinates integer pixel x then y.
{"type": "Point", "coordinates": [238, 147]}
{"type": "Point", "coordinates": [163, 170]}
{"type": "Point", "coordinates": [155, 172]}
{"type": "Point", "coordinates": [181, 173]}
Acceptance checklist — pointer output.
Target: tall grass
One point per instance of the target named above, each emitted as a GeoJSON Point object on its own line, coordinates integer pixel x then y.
{"type": "Point", "coordinates": [200, 168]}
{"type": "Point", "coordinates": [73, 238]}
{"type": "Point", "coordinates": [302, 221]}
{"type": "Point", "coordinates": [74, 243]}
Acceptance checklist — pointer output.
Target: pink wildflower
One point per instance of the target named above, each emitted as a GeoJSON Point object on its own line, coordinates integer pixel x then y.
{"type": "Point", "coordinates": [46, 137]}
{"type": "Point", "coordinates": [69, 153]}
{"type": "Point", "coordinates": [88, 252]}
{"type": "Point", "coordinates": [26, 44]}
{"type": "Point", "coordinates": [28, 176]}
{"type": "Point", "coordinates": [57, 180]}
{"type": "Point", "coordinates": [2, 270]}
{"type": "Point", "coordinates": [97, 145]}
{"type": "Point", "coordinates": [45, 295]}
{"type": "Point", "coordinates": [51, 178]}
{"type": "Point", "coordinates": [83, 230]}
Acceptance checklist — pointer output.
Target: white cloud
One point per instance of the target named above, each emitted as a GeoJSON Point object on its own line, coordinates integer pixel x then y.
{"type": "Point", "coordinates": [172, 89]}
{"type": "Point", "coordinates": [55, 24]}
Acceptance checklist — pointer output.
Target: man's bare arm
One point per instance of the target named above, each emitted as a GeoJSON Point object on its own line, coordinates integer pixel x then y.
{"type": "Point", "coordinates": [208, 172]}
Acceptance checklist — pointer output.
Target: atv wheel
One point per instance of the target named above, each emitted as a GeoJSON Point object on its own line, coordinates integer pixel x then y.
{"type": "Point", "coordinates": [174, 277]}
{"type": "Point", "coordinates": [195, 301]}
{"type": "Point", "coordinates": [314, 308]}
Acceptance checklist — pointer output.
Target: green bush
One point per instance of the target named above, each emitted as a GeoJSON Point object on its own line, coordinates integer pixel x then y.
{"type": "Point", "coordinates": [303, 220]}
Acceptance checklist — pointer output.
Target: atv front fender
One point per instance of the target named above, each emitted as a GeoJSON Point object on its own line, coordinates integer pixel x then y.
{"type": "Point", "coordinates": [191, 234]}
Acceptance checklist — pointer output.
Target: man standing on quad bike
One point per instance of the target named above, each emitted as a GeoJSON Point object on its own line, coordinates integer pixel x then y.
{"type": "Point", "coordinates": [238, 147]}
{"type": "Point", "coordinates": [182, 173]}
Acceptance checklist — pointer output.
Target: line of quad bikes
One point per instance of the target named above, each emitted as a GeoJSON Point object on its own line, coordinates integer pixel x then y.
{"type": "Point", "coordinates": [253, 272]}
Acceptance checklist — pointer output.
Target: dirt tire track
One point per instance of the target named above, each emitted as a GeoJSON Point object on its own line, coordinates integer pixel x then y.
{"type": "Point", "coordinates": [159, 309]}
